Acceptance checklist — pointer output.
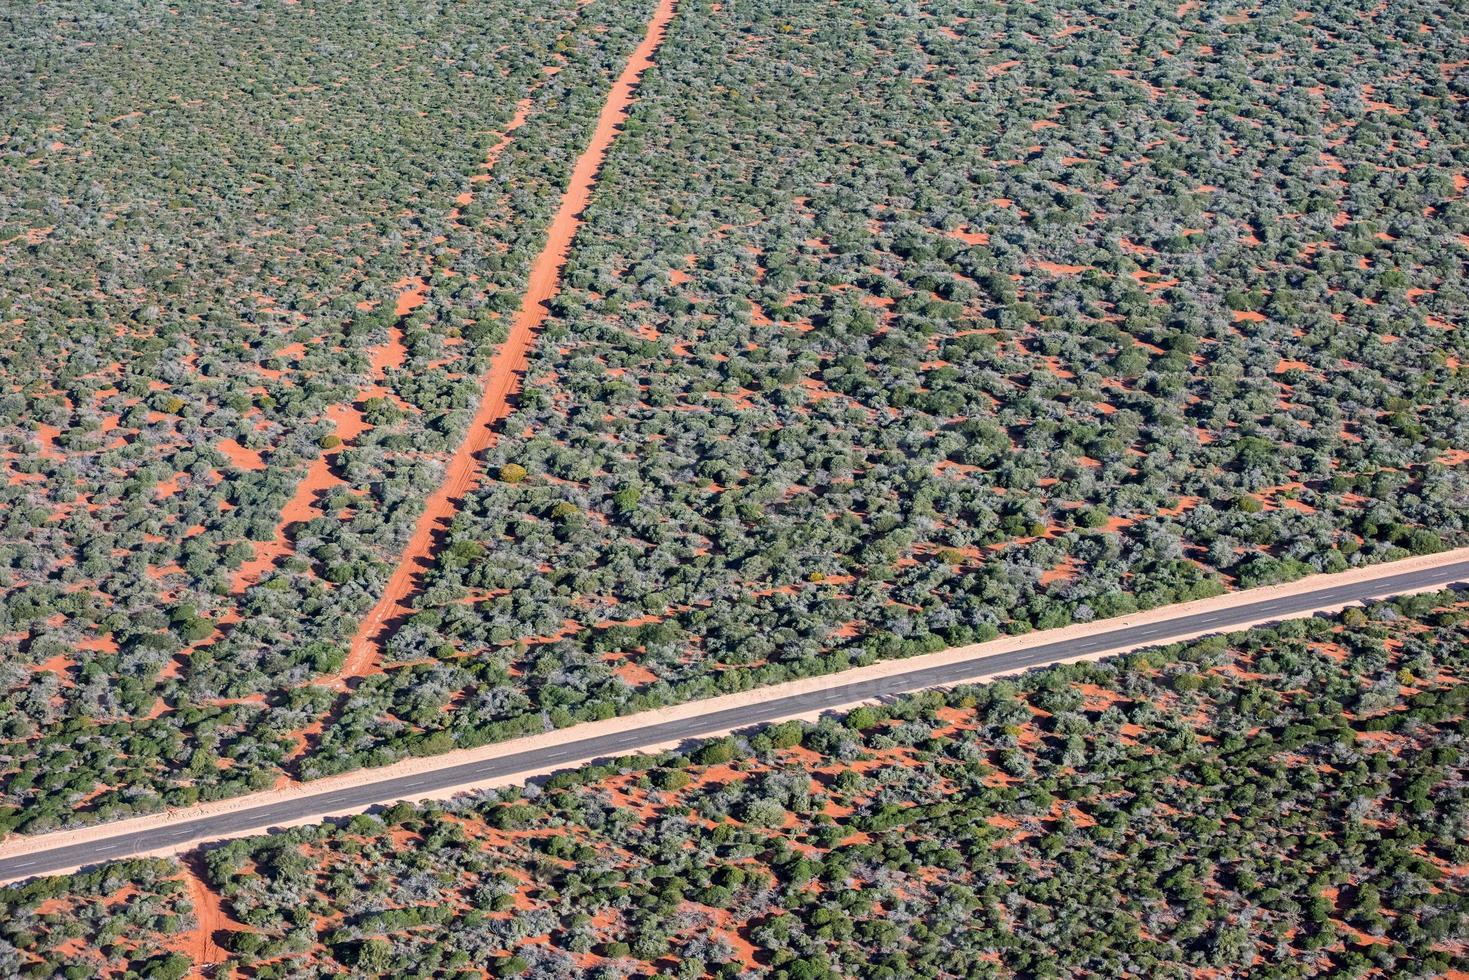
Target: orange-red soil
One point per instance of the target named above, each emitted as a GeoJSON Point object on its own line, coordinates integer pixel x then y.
{"type": "Point", "coordinates": [211, 916]}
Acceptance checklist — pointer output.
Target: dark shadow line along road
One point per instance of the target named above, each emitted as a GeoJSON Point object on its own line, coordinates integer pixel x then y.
{"type": "Point", "coordinates": [361, 797]}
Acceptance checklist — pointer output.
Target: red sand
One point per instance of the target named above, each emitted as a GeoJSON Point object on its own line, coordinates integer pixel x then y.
{"type": "Point", "coordinates": [1057, 269]}
{"type": "Point", "coordinates": [47, 435]}
{"type": "Point", "coordinates": [969, 237]}
{"type": "Point", "coordinates": [209, 910]}
{"type": "Point", "coordinates": [245, 459]}
{"type": "Point", "coordinates": [510, 363]}
{"type": "Point", "coordinates": [302, 507]}
{"type": "Point", "coordinates": [389, 355]}
{"type": "Point", "coordinates": [411, 295]}
{"type": "Point", "coordinates": [1064, 572]}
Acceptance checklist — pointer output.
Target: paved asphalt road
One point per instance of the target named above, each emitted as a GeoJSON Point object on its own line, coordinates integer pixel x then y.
{"type": "Point", "coordinates": [387, 790]}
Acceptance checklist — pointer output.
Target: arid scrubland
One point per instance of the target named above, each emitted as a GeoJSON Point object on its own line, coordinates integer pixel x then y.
{"type": "Point", "coordinates": [887, 328]}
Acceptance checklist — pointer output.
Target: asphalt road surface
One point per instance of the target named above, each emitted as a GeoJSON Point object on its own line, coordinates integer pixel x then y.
{"type": "Point", "coordinates": [388, 790]}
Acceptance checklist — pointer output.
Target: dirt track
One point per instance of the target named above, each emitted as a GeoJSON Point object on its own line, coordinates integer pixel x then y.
{"type": "Point", "coordinates": [504, 374]}
{"type": "Point", "coordinates": [210, 915]}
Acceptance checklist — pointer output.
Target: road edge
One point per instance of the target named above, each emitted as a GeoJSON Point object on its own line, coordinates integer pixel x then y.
{"type": "Point", "coordinates": [978, 652]}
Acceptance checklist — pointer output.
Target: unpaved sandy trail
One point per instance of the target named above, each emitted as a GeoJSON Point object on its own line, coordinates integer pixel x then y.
{"type": "Point", "coordinates": [509, 365]}
{"type": "Point", "coordinates": [211, 916]}
{"type": "Point", "coordinates": [492, 156]}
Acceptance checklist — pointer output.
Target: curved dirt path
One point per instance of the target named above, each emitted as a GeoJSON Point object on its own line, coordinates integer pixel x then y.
{"type": "Point", "coordinates": [508, 367]}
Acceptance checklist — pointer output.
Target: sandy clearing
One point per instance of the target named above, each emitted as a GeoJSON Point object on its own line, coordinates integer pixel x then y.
{"type": "Point", "coordinates": [303, 504]}
{"type": "Point", "coordinates": [240, 456]}
{"type": "Point", "coordinates": [969, 236]}
{"type": "Point", "coordinates": [463, 470]}
{"type": "Point", "coordinates": [1060, 269]}
{"type": "Point", "coordinates": [17, 846]}
{"type": "Point", "coordinates": [412, 293]}
{"type": "Point", "coordinates": [299, 509]}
